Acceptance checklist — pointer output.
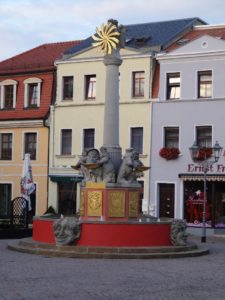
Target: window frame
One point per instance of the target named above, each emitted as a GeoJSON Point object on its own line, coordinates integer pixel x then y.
{"type": "Point", "coordinates": [27, 83]}
{"type": "Point", "coordinates": [173, 140]}
{"type": "Point", "coordinates": [33, 153]}
{"type": "Point", "coordinates": [204, 84]}
{"type": "Point", "coordinates": [63, 142]}
{"type": "Point", "coordinates": [10, 149]}
{"type": "Point", "coordinates": [3, 84]}
{"type": "Point", "coordinates": [85, 146]}
{"type": "Point", "coordinates": [204, 141]}
{"type": "Point", "coordinates": [134, 136]}
{"type": "Point", "coordinates": [138, 82]}
{"type": "Point", "coordinates": [90, 85]}
{"type": "Point", "coordinates": [170, 86]}
{"type": "Point", "coordinates": [67, 88]}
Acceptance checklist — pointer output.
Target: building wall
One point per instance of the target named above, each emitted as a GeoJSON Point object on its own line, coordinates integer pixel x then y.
{"type": "Point", "coordinates": [11, 170]}
{"type": "Point", "coordinates": [205, 53]}
{"type": "Point", "coordinates": [186, 115]}
{"type": "Point", "coordinates": [79, 114]}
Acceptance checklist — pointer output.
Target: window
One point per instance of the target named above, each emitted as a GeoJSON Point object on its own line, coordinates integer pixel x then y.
{"type": "Point", "coordinates": [32, 92]}
{"type": "Point", "coordinates": [8, 103]}
{"type": "Point", "coordinates": [89, 138]}
{"type": "Point", "coordinates": [68, 88]}
{"type": "Point", "coordinates": [138, 84]}
{"type": "Point", "coordinates": [137, 139]}
{"type": "Point", "coordinates": [30, 144]}
{"type": "Point", "coordinates": [66, 142]}
{"type": "Point", "coordinates": [6, 146]}
{"type": "Point", "coordinates": [205, 84]}
{"type": "Point", "coordinates": [5, 198]}
{"type": "Point", "coordinates": [90, 87]}
{"type": "Point", "coordinates": [171, 137]}
{"type": "Point", "coordinates": [8, 94]}
{"type": "Point", "coordinates": [204, 136]}
{"type": "Point", "coordinates": [173, 86]}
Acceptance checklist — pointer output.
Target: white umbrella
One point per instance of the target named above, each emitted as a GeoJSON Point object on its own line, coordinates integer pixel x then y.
{"type": "Point", "coordinates": [26, 184]}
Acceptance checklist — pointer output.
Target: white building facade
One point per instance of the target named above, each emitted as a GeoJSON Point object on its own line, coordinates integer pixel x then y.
{"type": "Point", "coordinates": [190, 108]}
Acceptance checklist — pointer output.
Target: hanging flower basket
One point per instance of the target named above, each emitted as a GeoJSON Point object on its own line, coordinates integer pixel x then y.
{"type": "Point", "coordinates": [169, 153]}
{"type": "Point", "coordinates": [204, 153]}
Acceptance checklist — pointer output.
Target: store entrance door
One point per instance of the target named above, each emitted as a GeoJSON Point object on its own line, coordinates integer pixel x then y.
{"type": "Point", "coordinates": [67, 198]}
{"type": "Point", "coordinates": [166, 200]}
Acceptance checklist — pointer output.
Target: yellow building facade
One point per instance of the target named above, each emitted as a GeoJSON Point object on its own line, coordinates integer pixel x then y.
{"type": "Point", "coordinates": [11, 170]}
{"type": "Point", "coordinates": [79, 114]}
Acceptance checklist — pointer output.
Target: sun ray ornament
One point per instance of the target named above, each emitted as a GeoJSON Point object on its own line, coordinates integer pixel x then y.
{"type": "Point", "coordinates": [107, 37]}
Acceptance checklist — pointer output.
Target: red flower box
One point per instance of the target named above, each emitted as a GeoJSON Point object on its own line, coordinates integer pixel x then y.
{"type": "Point", "coordinates": [204, 153]}
{"type": "Point", "coordinates": [169, 153]}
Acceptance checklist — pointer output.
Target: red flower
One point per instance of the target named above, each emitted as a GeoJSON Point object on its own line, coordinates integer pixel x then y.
{"type": "Point", "coordinates": [169, 153]}
{"type": "Point", "coordinates": [204, 153]}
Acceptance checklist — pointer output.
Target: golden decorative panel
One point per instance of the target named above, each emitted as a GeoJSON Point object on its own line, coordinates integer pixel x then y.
{"type": "Point", "coordinates": [117, 204]}
{"type": "Point", "coordinates": [94, 204]}
{"type": "Point", "coordinates": [133, 204]}
{"type": "Point", "coordinates": [82, 204]}
{"type": "Point", "coordinates": [95, 185]}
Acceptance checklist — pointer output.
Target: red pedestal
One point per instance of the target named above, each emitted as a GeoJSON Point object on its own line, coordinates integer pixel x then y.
{"type": "Point", "coordinates": [102, 203]}
{"type": "Point", "coordinates": [109, 234]}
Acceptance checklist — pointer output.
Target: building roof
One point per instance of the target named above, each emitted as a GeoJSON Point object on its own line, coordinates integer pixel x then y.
{"type": "Point", "coordinates": [217, 31]}
{"type": "Point", "coordinates": [37, 59]}
{"type": "Point", "coordinates": [153, 36]}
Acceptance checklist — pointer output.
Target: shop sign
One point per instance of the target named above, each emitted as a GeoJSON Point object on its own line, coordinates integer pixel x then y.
{"type": "Point", "coordinates": [215, 168]}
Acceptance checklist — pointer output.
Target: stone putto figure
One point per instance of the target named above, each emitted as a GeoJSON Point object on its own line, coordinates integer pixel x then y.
{"type": "Point", "coordinates": [129, 169]}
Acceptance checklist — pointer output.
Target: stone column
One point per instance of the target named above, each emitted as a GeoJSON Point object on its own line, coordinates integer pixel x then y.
{"type": "Point", "coordinates": [111, 114]}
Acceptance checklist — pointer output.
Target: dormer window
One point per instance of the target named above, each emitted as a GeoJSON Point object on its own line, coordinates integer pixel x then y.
{"type": "Point", "coordinates": [8, 94]}
{"type": "Point", "coordinates": [32, 92]}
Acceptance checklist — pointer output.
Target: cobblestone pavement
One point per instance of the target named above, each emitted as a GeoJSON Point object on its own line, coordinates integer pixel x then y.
{"type": "Point", "coordinates": [27, 276]}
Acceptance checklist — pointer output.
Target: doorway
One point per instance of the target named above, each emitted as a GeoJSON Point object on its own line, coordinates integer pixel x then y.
{"type": "Point", "coordinates": [67, 198]}
{"type": "Point", "coordinates": [166, 200]}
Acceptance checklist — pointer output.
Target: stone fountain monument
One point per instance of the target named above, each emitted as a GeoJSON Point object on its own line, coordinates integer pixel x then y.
{"type": "Point", "coordinates": [109, 225]}
{"type": "Point", "coordinates": [110, 190]}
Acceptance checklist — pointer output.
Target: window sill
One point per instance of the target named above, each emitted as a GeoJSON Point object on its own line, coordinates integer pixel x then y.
{"type": "Point", "coordinates": [138, 97]}
{"type": "Point", "coordinates": [30, 107]}
{"type": "Point", "coordinates": [65, 155]}
{"type": "Point", "coordinates": [143, 155]}
{"type": "Point", "coordinates": [67, 100]}
{"type": "Point", "coordinates": [8, 108]}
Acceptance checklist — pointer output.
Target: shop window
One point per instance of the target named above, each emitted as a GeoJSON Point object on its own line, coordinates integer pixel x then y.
{"type": "Point", "coordinates": [6, 146]}
{"type": "Point", "coordinates": [90, 87]}
{"type": "Point", "coordinates": [5, 198]}
{"type": "Point", "coordinates": [171, 137]}
{"type": "Point", "coordinates": [32, 92]}
{"type": "Point", "coordinates": [204, 136]}
{"type": "Point", "coordinates": [66, 142]}
{"type": "Point", "coordinates": [68, 88]}
{"type": "Point", "coordinates": [138, 84]}
{"type": "Point", "coordinates": [205, 84]}
{"type": "Point", "coordinates": [30, 144]}
{"type": "Point", "coordinates": [8, 94]}
{"type": "Point", "coordinates": [173, 86]}
{"type": "Point", "coordinates": [136, 139]}
{"type": "Point", "coordinates": [89, 138]}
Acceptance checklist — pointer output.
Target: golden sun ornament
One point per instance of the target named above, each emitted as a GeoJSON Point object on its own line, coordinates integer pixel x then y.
{"type": "Point", "coordinates": [107, 37]}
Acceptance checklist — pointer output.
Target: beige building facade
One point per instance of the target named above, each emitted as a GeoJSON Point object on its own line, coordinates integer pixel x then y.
{"type": "Point", "coordinates": [81, 115]}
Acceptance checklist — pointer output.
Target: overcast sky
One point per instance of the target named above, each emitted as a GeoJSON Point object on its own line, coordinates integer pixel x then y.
{"type": "Point", "coordinates": [25, 24]}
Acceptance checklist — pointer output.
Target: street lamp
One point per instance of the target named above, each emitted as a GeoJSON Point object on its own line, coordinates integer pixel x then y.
{"type": "Point", "coordinates": [205, 157]}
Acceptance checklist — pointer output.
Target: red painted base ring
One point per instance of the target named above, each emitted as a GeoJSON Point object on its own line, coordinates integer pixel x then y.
{"type": "Point", "coordinates": [109, 234]}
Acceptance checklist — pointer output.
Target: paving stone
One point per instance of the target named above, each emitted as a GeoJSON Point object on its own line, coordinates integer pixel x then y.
{"type": "Point", "coordinates": [26, 276]}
